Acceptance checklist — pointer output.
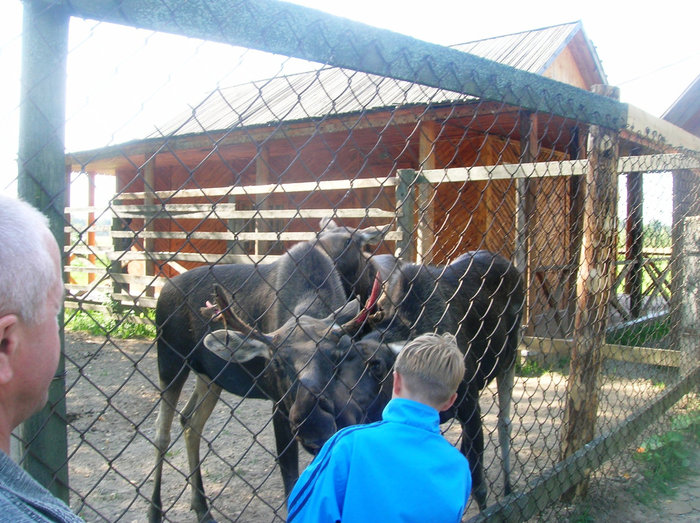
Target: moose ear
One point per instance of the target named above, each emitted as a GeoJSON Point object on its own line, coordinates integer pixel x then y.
{"type": "Point", "coordinates": [344, 313]}
{"type": "Point", "coordinates": [229, 345]}
{"type": "Point", "coordinates": [328, 223]}
{"type": "Point", "coordinates": [373, 235]}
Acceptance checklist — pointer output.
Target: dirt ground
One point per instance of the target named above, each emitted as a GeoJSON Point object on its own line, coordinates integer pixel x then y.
{"type": "Point", "coordinates": [112, 402]}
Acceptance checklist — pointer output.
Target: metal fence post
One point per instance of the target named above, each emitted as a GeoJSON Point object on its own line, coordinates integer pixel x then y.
{"type": "Point", "coordinates": [42, 182]}
{"type": "Point", "coordinates": [595, 277]}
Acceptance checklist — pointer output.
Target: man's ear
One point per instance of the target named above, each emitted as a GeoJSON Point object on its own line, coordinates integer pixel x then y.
{"type": "Point", "coordinates": [9, 341]}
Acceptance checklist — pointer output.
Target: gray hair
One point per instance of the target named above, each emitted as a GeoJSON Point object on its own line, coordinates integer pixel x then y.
{"type": "Point", "coordinates": [27, 269]}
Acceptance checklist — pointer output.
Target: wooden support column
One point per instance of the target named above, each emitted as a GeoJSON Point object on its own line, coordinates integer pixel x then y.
{"type": "Point", "coordinates": [595, 277]}
{"type": "Point", "coordinates": [405, 247]}
{"type": "Point", "coordinates": [684, 283]}
{"type": "Point", "coordinates": [634, 241]}
{"type": "Point", "coordinates": [426, 193]}
{"type": "Point", "coordinates": [120, 244]}
{"type": "Point", "coordinates": [576, 198]}
{"type": "Point", "coordinates": [525, 208]}
{"type": "Point", "coordinates": [262, 177]}
{"type": "Point", "coordinates": [689, 328]}
{"type": "Point", "coordinates": [67, 217]}
{"type": "Point", "coordinates": [149, 188]}
{"type": "Point", "coordinates": [92, 244]}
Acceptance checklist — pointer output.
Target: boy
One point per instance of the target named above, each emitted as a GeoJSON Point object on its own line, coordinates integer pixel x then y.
{"type": "Point", "coordinates": [400, 468]}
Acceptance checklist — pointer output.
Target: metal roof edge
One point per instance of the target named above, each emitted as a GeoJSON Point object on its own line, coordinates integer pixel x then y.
{"type": "Point", "coordinates": [575, 28]}
{"type": "Point", "coordinates": [496, 37]}
{"type": "Point", "coordinates": [594, 55]}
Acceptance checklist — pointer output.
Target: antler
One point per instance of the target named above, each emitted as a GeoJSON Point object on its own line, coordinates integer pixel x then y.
{"type": "Point", "coordinates": [225, 310]}
{"type": "Point", "coordinates": [354, 325]}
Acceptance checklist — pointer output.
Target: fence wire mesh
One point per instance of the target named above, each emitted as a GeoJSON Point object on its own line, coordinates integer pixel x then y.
{"type": "Point", "coordinates": [600, 222]}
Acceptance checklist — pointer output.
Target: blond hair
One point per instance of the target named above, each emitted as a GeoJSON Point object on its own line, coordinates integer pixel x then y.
{"type": "Point", "coordinates": [432, 367]}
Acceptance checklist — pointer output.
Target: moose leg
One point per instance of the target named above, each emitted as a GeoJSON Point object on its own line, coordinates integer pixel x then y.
{"type": "Point", "coordinates": [194, 416]}
{"type": "Point", "coordinates": [505, 394]}
{"type": "Point", "coordinates": [287, 450]}
{"type": "Point", "coordinates": [166, 412]}
{"type": "Point", "coordinates": [473, 444]}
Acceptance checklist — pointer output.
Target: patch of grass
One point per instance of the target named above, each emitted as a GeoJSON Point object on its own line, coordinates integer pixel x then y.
{"type": "Point", "coordinates": [665, 458]}
{"type": "Point", "coordinates": [581, 514]}
{"type": "Point", "coordinates": [532, 368]}
{"type": "Point", "coordinates": [641, 335]}
{"type": "Point", "coordinates": [529, 369]}
{"type": "Point", "coordinates": [126, 325]}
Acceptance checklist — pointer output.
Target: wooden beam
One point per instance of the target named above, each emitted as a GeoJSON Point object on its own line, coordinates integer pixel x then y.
{"type": "Point", "coordinates": [211, 235]}
{"type": "Point", "coordinates": [533, 347]}
{"type": "Point", "coordinates": [277, 188]}
{"type": "Point", "coordinates": [149, 184]}
{"type": "Point", "coordinates": [634, 225]}
{"type": "Point", "coordinates": [507, 171]}
{"type": "Point", "coordinates": [426, 192]}
{"type": "Point", "coordinates": [660, 131]}
{"type": "Point", "coordinates": [228, 211]}
{"type": "Point", "coordinates": [647, 163]}
{"type": "Point", "coordinates": [262, 201]}
{"type": "Point", "coordinates": [657, 163]}
{"type": "Point", "coordinates": [525, 209]}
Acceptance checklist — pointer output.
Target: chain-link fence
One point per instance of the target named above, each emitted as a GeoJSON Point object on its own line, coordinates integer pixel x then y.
{"type": "Point", "coordinates": [420, 155]}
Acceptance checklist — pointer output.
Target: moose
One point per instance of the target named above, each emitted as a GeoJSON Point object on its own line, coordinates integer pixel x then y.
{"type": "Point", "coordinates": [285, 298]}
{"type": "Point", "coordinates": [479, 297]}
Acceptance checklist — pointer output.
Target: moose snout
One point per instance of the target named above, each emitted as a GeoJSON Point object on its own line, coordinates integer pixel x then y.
{"type": "Point", "coordinates": [312, 418]}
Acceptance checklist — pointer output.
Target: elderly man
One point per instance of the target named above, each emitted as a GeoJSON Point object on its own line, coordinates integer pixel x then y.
{"type": "Point", "coordinates": [31, 294]}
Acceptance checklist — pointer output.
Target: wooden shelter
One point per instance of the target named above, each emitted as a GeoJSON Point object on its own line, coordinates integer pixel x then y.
{"type": "Point", "coordinates": [332, 129]}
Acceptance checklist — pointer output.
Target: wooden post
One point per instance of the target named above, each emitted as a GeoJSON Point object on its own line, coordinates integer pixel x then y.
{"type": "Point", "coordinates": [262, 177]}
{"type": "Point", "coordinates": [405, 247]}
{"type": "Point", "coordinates": [684, 233]}
{"type": "Point", "coordinates": [689, 331]}
{"type": "Point", "coordinates": [576, 197]}
{"type": "Point", "coordinates": [91, 237]}
{"type": "Point", "coordinates": [426, 193]}
{"type": "Point", "coordinates": [149, 189]}
{"type": "Point", "coordinates": [525, 207]}
{"type": "Point", "coordinates": [42, 182]}
{"type": "Point", "coordinates": [595, 277]}
{"type": "Point", "coordinates": [634, 241]}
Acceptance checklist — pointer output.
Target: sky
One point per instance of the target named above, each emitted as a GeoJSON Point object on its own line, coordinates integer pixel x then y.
{"type": "Point", "coordinates": [123, 83]}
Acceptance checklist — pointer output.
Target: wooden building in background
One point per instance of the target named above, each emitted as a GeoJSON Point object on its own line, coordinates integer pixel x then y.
{"type": "Point", "coordinates": [335, 125]}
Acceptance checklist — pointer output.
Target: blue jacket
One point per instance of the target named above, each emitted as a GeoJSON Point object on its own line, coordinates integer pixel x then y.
{"type": "Point", "coordinates": [22, 499]}
{"type": "Point", "coordinates": [400, 469]}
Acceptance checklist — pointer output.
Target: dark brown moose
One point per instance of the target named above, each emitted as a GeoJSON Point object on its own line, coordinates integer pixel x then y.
{"type": "Point", "coordinates": [288, 299]}
{"type": "Point", "coordinates": [478, 297]}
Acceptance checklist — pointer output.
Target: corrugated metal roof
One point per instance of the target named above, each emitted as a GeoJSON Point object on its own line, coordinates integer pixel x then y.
{"type": "Point", "coordinates": [303, 96]}
{"type": "Point", "coordinates": [685, 111]}
{"type": "Point", "coordinates": [531, 51]}
{"type": "Point", "coordinates": [334, 91]}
